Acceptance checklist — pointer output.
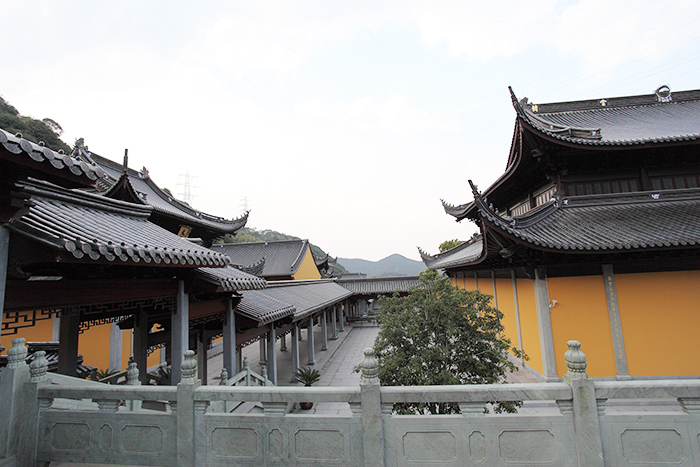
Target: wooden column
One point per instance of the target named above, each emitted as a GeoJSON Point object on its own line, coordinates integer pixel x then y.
{"type": "Point", "coordinates": [180, 335]}
{"type": "Point", "coordinates": [283, 343]}
{"type": "Point", "coordinates": [295, 348]}
{"type": "Point", "coordinates": [324, 330]}
{"type": "Point", "coordinates": [263, 350]}
{"type": "Point", "coordinates": [230, 341]}
{"type": "Point", "coordinates": [4, 254]}
{"type": "Point", "coordinates": [622, 373]}
{"type": "Point", "coordinates": [310, 336]}
{"type": "Point", "coordinates": [202, 348]}
{"type": "Point", "coordinates": [68, 345]}
{"type": "Point", "coordinates": [343, 312]}
{"type": "Point", "coordinates": [517, 312]}
{"type": "Point", "coordinates": [272, 355]}
{"type": "Point", "coordinates": [141, 344]}
{"type": "Point", "coordinates": [334, 329]}
{"type": "Point", "coordinates": [544, 322]}
{"type": "Point", "coordinates": [115, 347]}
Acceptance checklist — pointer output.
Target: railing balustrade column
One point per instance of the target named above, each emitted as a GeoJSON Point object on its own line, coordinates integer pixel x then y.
{"type": "Point", "coordinates": [29, 428]}
{"type": "Point", "coordinates": [186, 411]}
{"type": "Point", "coordinates": [12, 378]}
{"type": "Point", "coordinates": [585, 408]}
{"type": "Point", "coordinates": [372, 424]}
{"type": "Point", "coordinates": [132, 379]}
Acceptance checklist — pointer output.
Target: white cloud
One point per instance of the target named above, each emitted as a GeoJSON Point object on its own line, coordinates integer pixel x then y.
{"type": "Point", "coordinates": [278, 36]}
{"type": "Point", "coordinates": [607, 32]}
{"type": "Point", "coordinates": [602, 32]}
{"type": "Point", "coordinates": [483, 30]}
{"type": "Point", "coordinates": [396, 114]}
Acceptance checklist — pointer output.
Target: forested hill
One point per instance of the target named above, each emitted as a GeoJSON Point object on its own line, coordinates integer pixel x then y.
{"type": "Point", "coordinates": [45, 130]}
{"type": "Point", "coordinates": [394, 265]}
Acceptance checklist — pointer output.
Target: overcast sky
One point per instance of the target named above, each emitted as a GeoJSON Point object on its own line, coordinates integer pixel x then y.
{"type": "Point", "coordinates": [341, 122]}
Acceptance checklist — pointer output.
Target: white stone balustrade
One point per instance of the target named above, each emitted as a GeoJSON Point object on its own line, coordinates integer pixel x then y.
{"type": "Point", "coordinates": [194, 434]}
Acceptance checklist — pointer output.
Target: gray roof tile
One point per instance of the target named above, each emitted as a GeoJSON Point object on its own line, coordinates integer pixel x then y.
{"type": "Point", "coordinates": [99, 228]}
{"type": "Point", "coordinates": [282, 259]}
{"type": "Point", "coordinates": [52, 160]}
{"type": "Point", "coordinates": [464, 253]}
{"type": "Point", "coordinates": [617, 121]}
{"type": "Point", "coordinates": [607, 222]}
{"type": "Point", "coordinates": [307, 297]}
{"type": "Point", "coordinates": [379, 285]}
{"type": "Point", "coordinates": [232, 279]}
{"type": "Point", "coordinates": [263, 308]}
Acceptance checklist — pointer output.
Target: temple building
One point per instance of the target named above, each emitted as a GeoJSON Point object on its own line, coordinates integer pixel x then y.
{"type": "Point", "coordinates": [281, 260]}
{"type": "Point", "coordinates": [126, 184]}
{"type": "Point", "coordinates": [96, 274]}
{"type": "Point", "coordinates": [593, 233]}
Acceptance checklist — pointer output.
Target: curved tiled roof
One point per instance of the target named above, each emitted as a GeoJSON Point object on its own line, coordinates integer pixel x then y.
{"type": "Point", "coordinates": [307, 296]}
{"type": "Point", "coordinates": [263, 308]}
{"type": "Point", "coordinates": [603, 123]}
{"type": "Point", "coordinates": [589, 224]}
{"type": "Point", "coordinates": [456, 211]}
{"type": "Point", "coordinates": [145, 191]}
{"type": "Point", "coordinates": [282, 259]}
{"type": "Point", "coordinates": [255, 269]}
{"type": "Point", "coordinates": [15, 144]}
{"type": "Point", "coordinates": [379, 285]}
{"type": "Point", "coordinates": [617, 121]}
{"type": "Point", "coordinates": [465, 253]}
{"type": "Point", "coordinates": [232, 279]}
{"type": "Point", "coordinates": [99, 228]}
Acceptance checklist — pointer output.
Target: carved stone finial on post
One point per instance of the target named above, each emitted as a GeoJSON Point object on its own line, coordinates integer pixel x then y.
{"type": "Point", "coordinates": [575, 361]}
{"type": "Point", "coordinates": [17, 355]}
{"type": "Point", "coordinates": [224, 377]}
{"type": "Point", "coordinates": [189, 368]}
{"type": "Point", "coordinates": [245, 363]}
{"type": "Point", "coordinates": [132, 373]}
{"type": "Point", "coordinates": [369, 368]}
{"type": "Point", "coordinates": [38, 367]}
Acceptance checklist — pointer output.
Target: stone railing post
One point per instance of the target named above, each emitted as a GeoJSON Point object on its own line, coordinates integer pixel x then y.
{"type": "Point", "coordinates": [12, 379]}
{"type": "Point", "coordinates": [186, 411]}
{"type": "Point", "coordinates": [132, 379]}
{"type": "Point", "coordinates": [584, 408]}
{"type": "Point", "coordinates": [29, 428]}
{"type": "Point", "coordinates": [371, 418]}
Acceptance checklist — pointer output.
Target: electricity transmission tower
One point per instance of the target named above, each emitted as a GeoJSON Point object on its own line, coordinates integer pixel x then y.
{"type": "Point", "coordinates": [187, 192]}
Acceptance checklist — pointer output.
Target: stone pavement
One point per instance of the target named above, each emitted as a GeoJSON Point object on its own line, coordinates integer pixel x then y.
{"type": "Point", "coordinates": [284, 359]}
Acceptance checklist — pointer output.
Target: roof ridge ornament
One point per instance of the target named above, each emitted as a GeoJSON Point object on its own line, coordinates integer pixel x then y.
{"type": "Point", "coordinates": [663, 93]}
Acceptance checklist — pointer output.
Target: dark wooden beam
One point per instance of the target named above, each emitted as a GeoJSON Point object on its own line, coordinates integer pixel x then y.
{"type": "Point", "coordinates": [34, 295]}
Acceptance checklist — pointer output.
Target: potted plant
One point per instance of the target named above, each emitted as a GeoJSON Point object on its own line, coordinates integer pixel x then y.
{"type": "Point", "coordinates": [307, 376]}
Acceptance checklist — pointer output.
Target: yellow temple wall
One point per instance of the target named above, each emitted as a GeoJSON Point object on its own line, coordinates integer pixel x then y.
{"type": "Point", "coordinates": [506, 305]}
{"type": "Point", "coordinates": [529, 324]}
{"type": "Point", "coordinates": [40, 332]}
{"type": "Point", "coordinates": [94, 345]}
{"type": "Point", "coordinates": [581, 313]}
{"type": "Point", "coordinates": [660, 318]}
{"type": "Point", "coordinates": [307, 269]}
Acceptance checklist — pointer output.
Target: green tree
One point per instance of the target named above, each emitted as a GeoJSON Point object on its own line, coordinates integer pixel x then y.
{"type": "Point", "coordinates": [31, 129]}
{"type": "Point", "coordinates": [449, 244]}
{"type": "Point", "coordinates": [440, 334]}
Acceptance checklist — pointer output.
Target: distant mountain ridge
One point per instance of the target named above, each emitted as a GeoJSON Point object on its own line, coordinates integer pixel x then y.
{"type": "Point", "coordinates": [393, 265]}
